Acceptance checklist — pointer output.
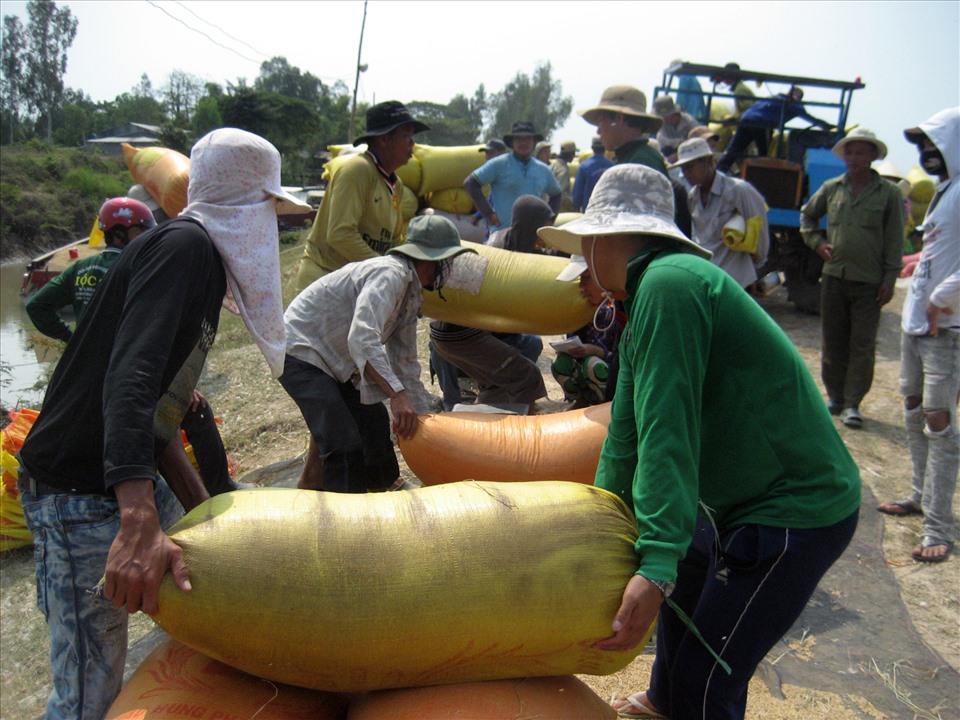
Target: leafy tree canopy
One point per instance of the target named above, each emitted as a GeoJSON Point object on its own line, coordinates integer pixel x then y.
{"type": "Point", "coordinates": [537, 98]}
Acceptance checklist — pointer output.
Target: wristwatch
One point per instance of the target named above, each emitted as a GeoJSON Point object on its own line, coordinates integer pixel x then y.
{"type": "Point", "coordinates": [663, 586]}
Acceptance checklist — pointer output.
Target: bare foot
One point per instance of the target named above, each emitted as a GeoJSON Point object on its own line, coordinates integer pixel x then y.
{"type": "Point", "coordinates": [312, 476]}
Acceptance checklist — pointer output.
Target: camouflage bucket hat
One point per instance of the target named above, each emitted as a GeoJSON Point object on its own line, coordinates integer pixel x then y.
{"type": "Point", "coordinates": [628, 199]}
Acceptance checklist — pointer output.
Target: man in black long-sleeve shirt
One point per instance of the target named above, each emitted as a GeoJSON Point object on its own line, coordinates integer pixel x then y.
{"type": "Point", "coordinates": [89, 486]}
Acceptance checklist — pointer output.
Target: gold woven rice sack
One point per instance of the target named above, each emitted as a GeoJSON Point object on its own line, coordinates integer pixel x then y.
{"type": "Point", "coordinates": [446, 167]}
{"type": "Point", "coordinates": [455, 200]}
{"type": "Point", "coordinates": [164, 173]}
{"type": "Point", "coordinates": [520, 293]}
{"type": "Point", "coordinates": [454, 583]}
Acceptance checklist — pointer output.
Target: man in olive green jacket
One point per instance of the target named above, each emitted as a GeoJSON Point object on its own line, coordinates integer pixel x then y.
{"type": "Point", "coordinates": [862, 258]}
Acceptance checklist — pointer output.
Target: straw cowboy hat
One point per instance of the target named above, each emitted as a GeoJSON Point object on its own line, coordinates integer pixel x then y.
{"type": "Point", "coordinates": [623, 99]}
{"type": "Point", "coordinates": [860, 134]}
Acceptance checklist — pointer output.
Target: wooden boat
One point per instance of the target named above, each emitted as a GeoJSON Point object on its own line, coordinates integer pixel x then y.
{"type": "Point", "coordinates": [43, 268]}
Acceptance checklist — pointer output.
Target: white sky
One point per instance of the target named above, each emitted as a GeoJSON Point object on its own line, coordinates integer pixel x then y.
{"type": "Point", "coordinates": [907, 53]}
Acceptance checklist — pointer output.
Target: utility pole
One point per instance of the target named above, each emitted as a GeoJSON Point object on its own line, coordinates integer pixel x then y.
{"type": "Point", "coordinates": [356, 82]}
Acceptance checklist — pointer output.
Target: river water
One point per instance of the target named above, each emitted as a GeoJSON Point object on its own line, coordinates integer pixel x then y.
{"type": "Point", "coordinates": [21, 369]}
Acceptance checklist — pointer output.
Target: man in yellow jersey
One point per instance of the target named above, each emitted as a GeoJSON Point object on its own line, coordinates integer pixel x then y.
{"type": "Point", "coordinates": [359, 217]}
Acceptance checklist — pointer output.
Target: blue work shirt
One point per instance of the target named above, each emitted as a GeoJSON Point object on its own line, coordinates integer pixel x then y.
{"type": "Point", "coordinates": [766, 113]}
{"type": "Point", "coordinates": [588, 173]}
{"type": "Point", "coordinates": [509, 177]}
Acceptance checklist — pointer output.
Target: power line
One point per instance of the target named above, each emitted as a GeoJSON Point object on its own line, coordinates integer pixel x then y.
{"type": "Point", "coordinates": [221, 30]}
{"type": "Point", "coordinates": [200, 32]}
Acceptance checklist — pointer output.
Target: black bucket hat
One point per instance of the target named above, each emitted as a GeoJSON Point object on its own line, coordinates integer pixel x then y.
{"type": "Point", "coordinates": [522, 128]}
{"type": "Point", "coordinates": [386, 116]}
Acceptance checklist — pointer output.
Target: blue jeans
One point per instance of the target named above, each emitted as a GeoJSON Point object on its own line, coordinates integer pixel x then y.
{"type": "Point", "coordinates": [743, 593]}
{"type": "Point", "coordinates": [88, 636]}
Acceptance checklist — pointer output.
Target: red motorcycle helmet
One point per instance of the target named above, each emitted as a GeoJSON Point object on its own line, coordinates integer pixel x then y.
{"type": "Point", "coordinates": [124, 212]}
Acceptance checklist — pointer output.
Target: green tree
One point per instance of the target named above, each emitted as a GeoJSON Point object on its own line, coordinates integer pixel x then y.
{"type": "Point", "coordinates": [174, 137]}
{"type": "Point", "coordinates": [450, 124]}
{"type": "Point", "coordinates": [50, 32]}
{"type": "Point", "coordinates": [13, 78]}
{"type": "Point", "coordinates": [278, 76]}
{"type": "Point", "coordinates": [538, 99]}
{"type": "Point", "coordinates": [207, 117]}
{"type": "Point", "coordinates": [181, 95]}
{"type": "Point", "coordinates": [75, 119]}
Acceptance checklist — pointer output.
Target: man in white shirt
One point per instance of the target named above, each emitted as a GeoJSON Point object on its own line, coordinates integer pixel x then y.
{"type": "Point", "coordinates": [714, 199]}
{"type": "Point", "coordinates": [930, 346]}
{"type": "Point", "coordinates": [352, 343]}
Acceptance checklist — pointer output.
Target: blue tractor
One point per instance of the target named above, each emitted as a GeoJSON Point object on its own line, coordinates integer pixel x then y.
{"type": "Point", "coordinates": [798, 162]}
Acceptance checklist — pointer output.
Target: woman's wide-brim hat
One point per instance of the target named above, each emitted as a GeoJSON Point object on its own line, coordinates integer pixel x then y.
{"type": "Point", "coordinates": [521, 128]}
{"type": "Point", "coordinates": [629, 199]}
{"type": "Point", "coordinates": [387, 116]}
{"type": "Point", "coordinates": [432, 238]}
{"type": "Point", "coordinates": [860, 135]}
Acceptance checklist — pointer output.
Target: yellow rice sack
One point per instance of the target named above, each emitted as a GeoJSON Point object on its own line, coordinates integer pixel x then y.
{"type": "Point", "coordinates": [454, 200]}
{"type": "Point", "coordinates": [454, 583]}
{"type": "Point", "coordinates": [163, 172]}
{"type": "Point", "coordinates": [446, 167]}
{"type": "Point", "coordinates": [520, 293]}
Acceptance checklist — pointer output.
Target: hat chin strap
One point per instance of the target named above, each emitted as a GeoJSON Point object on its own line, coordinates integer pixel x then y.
{"type": "Point", "coordinates": [607, 294]}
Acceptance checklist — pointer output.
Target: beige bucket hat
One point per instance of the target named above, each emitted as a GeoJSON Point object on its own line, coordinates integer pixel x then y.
{"type": "Point", "coordinates": [628, 199]}
{"type": "Point", "coordinates": [691, 150]}
{"type": "Point", "coordinates": [624, 99]}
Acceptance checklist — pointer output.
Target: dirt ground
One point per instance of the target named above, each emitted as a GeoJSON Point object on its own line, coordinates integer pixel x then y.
{"type": "Point", "coordinates": [880, 639]}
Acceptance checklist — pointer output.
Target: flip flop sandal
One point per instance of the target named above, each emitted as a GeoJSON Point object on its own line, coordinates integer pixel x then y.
{"type": "Point", "coordinates": [899, 508]}
{"type": "Point", "coordinates": [637, 709]}
{"type": "Point", "coordinates": [917, 554]}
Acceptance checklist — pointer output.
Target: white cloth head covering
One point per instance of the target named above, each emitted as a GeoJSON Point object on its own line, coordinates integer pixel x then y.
{"type": "Point", "coordinates": [235, 193]}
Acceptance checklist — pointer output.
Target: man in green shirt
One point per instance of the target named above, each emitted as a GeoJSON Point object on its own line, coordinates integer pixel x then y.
{"type": "Point", "coordinates": [624, 127]}
{"type": "Point", "coordinates": [121, 220]}
{"type": "Point", "coordinates": [862, 259]}
{"type": "Point", "coordinates": [743, 492]}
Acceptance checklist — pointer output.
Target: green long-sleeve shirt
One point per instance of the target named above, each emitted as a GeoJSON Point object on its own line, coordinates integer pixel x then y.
{"type": "Point", "coordinates": [640, 152]}
{"type": "Point", "coordinates": [866, 231]}
{"type": "Point", "coordinates": [74, 286]}
{"type": "Point", "coordinates": [714, 403]}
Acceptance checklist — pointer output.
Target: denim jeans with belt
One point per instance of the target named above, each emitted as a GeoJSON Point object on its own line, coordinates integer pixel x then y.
{"type": "Point", "coordinates": [72, 535]}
